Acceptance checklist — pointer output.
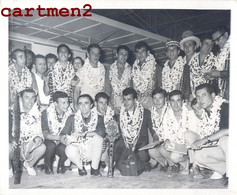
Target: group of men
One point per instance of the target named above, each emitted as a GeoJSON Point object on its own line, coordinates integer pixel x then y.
{"type": "Point", "coordinates": [183, 105]}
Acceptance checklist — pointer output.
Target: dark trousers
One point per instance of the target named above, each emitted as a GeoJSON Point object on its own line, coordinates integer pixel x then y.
{"type": "Point", "coordinates": [51, 149]}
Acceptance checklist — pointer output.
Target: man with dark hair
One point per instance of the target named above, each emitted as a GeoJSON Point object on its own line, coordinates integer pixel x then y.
{"type": "Point", "coordinates": [215, 121]}
{"type": "Point", "coordinates": [143, 74]}
{"type": "Point", "coordinates": [92, 74]}
{"type": "Point", "coordinates": [134, 124]}
{"type": "Point", "coordinates": [86, 142]}
{"type": "Point", "coordinates": [30, 58]}
{"type": "Point", "coordinates": [51, 59]}
{"type": "Point", "coordinates": [119, 77]}
{"type": "Point", "coordinates": [177, 120]}
{"type": "Point", "coordinates": [53, 122]}
{"type": "Point", "coordinates": [158, 112]}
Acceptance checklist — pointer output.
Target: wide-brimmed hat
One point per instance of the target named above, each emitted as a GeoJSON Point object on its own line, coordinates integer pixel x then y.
{"type": "Point", "coordinates": [188, 36]}
{"type": "Point", "coordinates": [172, 43]}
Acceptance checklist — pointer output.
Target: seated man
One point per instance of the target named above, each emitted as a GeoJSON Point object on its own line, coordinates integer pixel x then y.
{"type": "Point", "coordinates": [53, 122]}
{"type": "Point", "coordinates": [29, 133]}
{"type": "Point", "coordinates": [134, 124]}
{"type": "Point", "coordinates": [215, 123]}
{"type": "Point", "coordinates": [158, 111]}
{"type": "Point", "coordinates": [86, 142]}
{"type": "Point", "coordinates": [176, 121]}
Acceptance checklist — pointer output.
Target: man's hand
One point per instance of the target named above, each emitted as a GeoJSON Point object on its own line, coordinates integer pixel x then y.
{"type": "Point", "coordinates": [197, 145]}
{"type": "Point", "coordinates": [63, 139]}
{"type": "Point", "coordinates": [212, 74]}
{"type": "Point", "coordinates": [167, 143]}
{"type": "Point", "coordinates": [14, 145]}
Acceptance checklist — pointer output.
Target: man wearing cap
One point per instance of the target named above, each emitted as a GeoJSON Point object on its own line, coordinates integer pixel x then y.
{"type": "Point", "coordinates": [173, 68]}
{"type": "Point", "coordinates": [188, 44]}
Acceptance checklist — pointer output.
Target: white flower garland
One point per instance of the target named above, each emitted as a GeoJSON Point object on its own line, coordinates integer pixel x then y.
{"type": "Point", "coordinates": [210, 124]}
{"type": "Point", "coordinates": [222, 56]}
{"type": "Point", "coordinates": [108, 116]}
{"type": "Point", "coordinates": [18, 84]}
{"type": "Point", "coordinates": [173, 129]}
{"type": "Point", "coordinates": [30, 124]}
{"type": "Point", "coordinates": [118, 85]}
{"type": "Point", "coordinates": [143, 77]}
{"type": "Point", "coordinates": [87, 76]}
{"type": "Point", "coordinates": [131, 125]}
{"type": "Point", "coordinates": [55, 126]}
{"type": "Point", "coordinates": [171, 77]}
{"type": "Point", "coordinates": [157, 120]}
{"type": "Point", "coordinates": [196, 69]}
{"type": "Point", "coordinates": [62, 77]}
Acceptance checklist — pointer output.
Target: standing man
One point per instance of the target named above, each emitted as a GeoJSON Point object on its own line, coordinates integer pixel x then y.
{"type": "Point", "coordinates": [173, 68]}
{"type": "Point", "coordinates": [92, 74]}
{"type": "Point", "coordinates": [86, 142]}
{"type": "Point", "coordinates": [143, 74]}
{"type": "Point", "coordinates": [53, 122]}
{"type": "Point", "coordinates": [188, 44]}
{"type": "Point", "coordinates": [119, 76]}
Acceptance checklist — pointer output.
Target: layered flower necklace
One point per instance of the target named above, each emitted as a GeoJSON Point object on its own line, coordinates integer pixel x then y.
{"type": "Point", "coordinates": [30, 124]}
{"type": "Point", "coordinates": [118, 85]}
{"type": "Point", "coordinates": [62, 77]}
{"type": "Point", "coordinates": [131, 125]}
{"type": "Point", "coordinates": [157, 120]}
{"type": "Point", "coordinates": [173, 129]}
{"type": "Point", "coordinates": [171, 77]}
{"type": "Point", "coordinates": [196, 69]}
{"type": "Point", "coordinates": [143, 76]}
{"type": "Point", "coordinates": [209, 123]}
{"type": "Point", "coordinates": [17, 83]}
{"type": "Point", "coordinates": [56, 125]}
{"type": "Point", "coordinates": [94, 77]}
{"type": "Point", "coordinates": [108, 116]}
{"type": "Point", "coordinates": [222, 56]}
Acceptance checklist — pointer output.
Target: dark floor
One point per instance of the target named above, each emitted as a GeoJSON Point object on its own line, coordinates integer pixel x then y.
{"type": "Point", "coordinates": [148, 180]}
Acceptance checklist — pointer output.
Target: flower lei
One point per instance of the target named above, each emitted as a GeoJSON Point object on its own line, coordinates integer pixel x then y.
{"type": "Point", "coordinates": [62, 77]}
{"type": "Point", "coordinates": [80, 126]}
{"type": "Point", "coordinates": [108, 116]}
{"type": "Point", "coordinates": [210, 124]}
{"type": "Point", "coordinates": [87, 75]}
{"type": "Point", "coordinates": [173, 129]}
{"type": "Point", "coordinates": [18, 84]}
{"type": "Point", "coordinates": [196, 74]}
{"type": "Point", "coordinates": [143, 76]}
{"type": "Point", "coordinates": [131, 125]}
{"type": "Point", "coordinates": [157, 120]}
{"type": "Point", "coordinates": [55, 126]}
{"type": "Point", "coordinates": [118, 85]}
{"type": "Point", "coordinates": [171, 77]}
{"type": "Point", "coordinates": [222, 56]}
{"type": "Point", "coordinates": [30, 124]}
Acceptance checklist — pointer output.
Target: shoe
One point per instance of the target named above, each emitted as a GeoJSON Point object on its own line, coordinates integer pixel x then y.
{"type": "Point", "coordinates": [82, 171]}
{"type": "Point", "coordinates": [164, 168]}
{"type": "Point", "coordinates": [196, 172]}
{"type": "Point", "coordinates": [216, 175]}
{"type": "Point", "coordinates": [48, 170]}
{"type": "Point", "coordinates": [40, 167]}
{"type": "Point", "coordinates": [31, 171]}
{"type": "Point", "coordinates": [173, 169]}
{"type": "Point", "coordinates": [61, 170]}
{"type": "Point", "coordinates": [10, 173]}
{"type": "Point", "coordinates": [154, 166]}
{"type": "Point", "coordinates": [147, 168]}
{"type": "Point", "coordinates": [95, 172]}
{"type": "Point", "coordinates": [102, 164]}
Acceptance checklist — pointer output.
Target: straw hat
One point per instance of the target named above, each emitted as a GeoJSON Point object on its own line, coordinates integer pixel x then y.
{"type": "Point", "coordinates": [188, 36]}
{"type": "Point", "coordinates": [172, 43]}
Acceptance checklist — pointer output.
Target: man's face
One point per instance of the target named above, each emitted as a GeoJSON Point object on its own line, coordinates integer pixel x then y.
{"type": "Point", "coordinates": [189, 47]}
{"type": "Point", "coordinates": [159, 100]}
{"type": "Point", "coordinates": [51, 62]}
{"type": "Point", "coordinates": [206, 46]}
{"type": "Point", "coordinates": [129, 101]}
{"type": "Point", "coordinates": [20, 59]}
{"type": "Point", "coordinates": [84, 106]}
{"type": "Point", "coordinates": [197, 110]}
{"type": "Point", "coordinates": [29, 59]}
{"type": "Point", "coordinates": [94, 55]}
{"type": "Point", "coordinates": [63, 54]}
{"type": "Point", "coordinates": [40, 65]}
{"type": "Point", "coordinates": [62, 104]}
{"type": "Point", "coordinates": [102, 105]}
{"type": "Point", "coordinates": [204, 98]}
{"type": "Point", "coordinates": [172, 52]}
{"type": "Point", "coordinates": [142, 54]}
{"type": "Point", "coordinates": [176, 103]}
{"type": "Point", "coordinates": [122, 56]}
{"type": "Point", "coordinates": [28, 100]}
{"type": "Point", "coordinates": [77, 64]}
{"type": "Point", "coordinates": [220, 38]}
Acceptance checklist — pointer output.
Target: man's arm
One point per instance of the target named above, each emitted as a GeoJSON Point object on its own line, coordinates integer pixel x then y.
{"type": "Point", "coordinates": [149, 124]}
{"type": "Point", "coordinates": [100, 128]}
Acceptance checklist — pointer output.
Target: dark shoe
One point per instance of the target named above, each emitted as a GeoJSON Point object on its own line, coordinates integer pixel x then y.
{"type": "Point", "coordinates": [40, 167]}
{"type": "Point", "coordinates": [164, 168]}
{"type": "Point", "coordinates": [82, 171]}
{"type": "Point", "coordinates": [95, 172]}
{"type": "Point", "coordinates": [102, 164]}
{"type": "Point", "coordinates": [61, 170]}
{"type": "Point", "coordinates": [154, 167]}
{"type": "Point", "coordinates": [48, 170]}
{"type": "Point", "coordinates": [147, 168]}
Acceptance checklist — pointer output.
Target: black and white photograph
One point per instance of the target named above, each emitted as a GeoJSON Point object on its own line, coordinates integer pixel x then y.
{"type": "Point", "coordinates": [119, 98]}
